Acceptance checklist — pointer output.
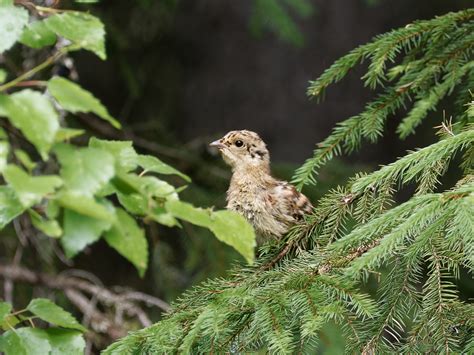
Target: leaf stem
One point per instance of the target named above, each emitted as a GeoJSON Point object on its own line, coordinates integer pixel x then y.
{"type": "Point", "coordinates": [34, 70]}
{"type": "Point", "coordinates": [30, 320]}
{"type": "Point", "coordinates": [46, 9]}
{"type": "Point", "coordinates": [19, 312]}
{"type": "Point", "coordinates": [32, 83]}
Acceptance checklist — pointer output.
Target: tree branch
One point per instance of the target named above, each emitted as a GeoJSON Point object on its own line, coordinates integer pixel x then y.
{"type": "Point", "coordinates": [75, 289]}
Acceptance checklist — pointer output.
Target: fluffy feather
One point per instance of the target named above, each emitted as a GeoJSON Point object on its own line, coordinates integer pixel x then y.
{"type": "Point", "coordinates": [270, 205]}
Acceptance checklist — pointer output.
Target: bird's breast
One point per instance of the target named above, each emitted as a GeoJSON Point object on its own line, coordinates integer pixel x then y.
{"type": "Point", "coordinates": [246, 199]}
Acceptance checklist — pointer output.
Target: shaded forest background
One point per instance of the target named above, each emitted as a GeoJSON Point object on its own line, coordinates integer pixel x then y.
{"type": "Point", "coordinates": [186, 71]}
{"type": "Point", "coordinates": [182, 73]}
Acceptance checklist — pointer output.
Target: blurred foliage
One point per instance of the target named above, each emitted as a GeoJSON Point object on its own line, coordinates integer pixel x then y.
{"type": "Point", "coordinates": [276, 16]}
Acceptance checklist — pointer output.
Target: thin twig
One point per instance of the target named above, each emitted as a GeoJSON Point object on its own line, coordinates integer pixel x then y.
{"type": "Point", "coordinates": [86, 319]}
{"type": "Point", "coordinates": [49, 61]}
{"type": "Point", "coordinates": [280, 255]}
{"type": "Point", "coordinates": [77, 287]}
{"type": "Point", "coordinates": [99, 321]}
{"type": "Point", "coordinates": [8, 286]}
{"type": "Point", "coordinates": [147, 299]}
{"type": "Point", "coordinates": [28, 83]}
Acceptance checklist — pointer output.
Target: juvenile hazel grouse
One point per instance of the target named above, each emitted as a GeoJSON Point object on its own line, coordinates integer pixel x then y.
{"type": "Point", "coordinates": [270, 205]}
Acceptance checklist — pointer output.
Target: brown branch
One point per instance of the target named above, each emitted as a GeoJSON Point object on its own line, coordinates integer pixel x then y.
{"type": "Point", "coordinates": [343, 261]}
{"type": "Point", "coordinates": [145, 298]}
{"type": "Point", "coordinates": [61, 282]}
{"type": "Point", "coordinates": [75, 289]}
{"type": "Point", "coordinates": [8, 285]}
{"type": "Point", "coordinates": [29, 83]}
{"type": "Point", "coordinates": [280, 256]}
{"type": "Point", "coordinates": [98, 320]}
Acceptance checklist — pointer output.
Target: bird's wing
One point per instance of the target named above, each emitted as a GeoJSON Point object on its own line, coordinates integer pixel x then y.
{"type": "Point", "coordinates": [288, 202]}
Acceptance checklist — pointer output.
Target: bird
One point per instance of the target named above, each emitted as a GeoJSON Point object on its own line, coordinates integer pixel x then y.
{"type": "Point", "coordinates": [270, 205]}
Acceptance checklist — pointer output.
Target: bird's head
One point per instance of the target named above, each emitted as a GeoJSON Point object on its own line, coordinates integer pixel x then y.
{"type": "Point", "coordinates": [243, 150]}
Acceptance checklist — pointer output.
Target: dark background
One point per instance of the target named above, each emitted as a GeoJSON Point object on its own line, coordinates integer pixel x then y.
{"type": "Point", "coordinates": [192, 70]}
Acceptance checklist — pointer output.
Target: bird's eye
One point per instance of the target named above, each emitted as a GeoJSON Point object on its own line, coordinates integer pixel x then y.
{"type": "Point", "coordinates": [239, 143]}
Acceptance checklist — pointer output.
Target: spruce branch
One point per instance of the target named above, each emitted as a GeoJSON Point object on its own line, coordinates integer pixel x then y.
{"type": "Point", "coordinates": [445, 45]}
{"type": "Point", "coordinates": [262, 295]}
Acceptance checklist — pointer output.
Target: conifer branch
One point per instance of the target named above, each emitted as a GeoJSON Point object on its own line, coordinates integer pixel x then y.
{"type": "Point", "coordinates": [446, 43]}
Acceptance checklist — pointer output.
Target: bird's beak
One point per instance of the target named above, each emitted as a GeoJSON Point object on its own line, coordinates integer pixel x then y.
{"type": "Point", "coordinates": [217, 144]}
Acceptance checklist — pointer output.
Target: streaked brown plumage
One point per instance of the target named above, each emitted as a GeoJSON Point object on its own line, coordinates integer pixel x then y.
{"type": "Point", "coordinates": [271, 206]}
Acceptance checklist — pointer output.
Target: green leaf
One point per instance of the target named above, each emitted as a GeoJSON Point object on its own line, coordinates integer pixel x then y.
{"type": "Point", "coordinates": [198, 216]}
{"type": "Point", "coordinates": [5, 309]}
{"type": "Point", "coordinates": [234, 230]}
{"type": "Point", "coordinates": [107, 190]}
{"type": "Point", "coordinates": [145, 195]}
{"type": "Point", "coordinates": [3, 76]}
{"type": "Point", "coordinates": [84, 170]}
{"type": "Point", "coordinates": [30, 189]}
{"type": "Point", "coordinates": [229, 227]}
{"type": "Point", "coordinates": [149, 186]}
{"type": "Point", "coordinates": [65, 134]}
{"type": "Point", "coordinates": [52, 341]}
{"type": "Point", "coordinates": [34, 115]}
{"type": "Point", "coordinates": [50, 227]}
{"type": "Point", "coordinates": [80, 231]}
{"type": "Point", "coordinates": [26, 341]}
{"type": "Point", "coordinates": [82, 29]}
{"type": "Point", "coordinates": [9, 322]}
{"type": "Point", "coordinates": [134, 203]}
{"type": "Point", "coordinates": [25, 159]}
{"type": "Point", "coordinates": [151, 163]}
{"type": "Point", "coordinates": [65, 341]}
{"type": "Point", "coordinates": [52, 313]}
{"type": "Point", "coordinates": [4, 148]}
{"type": "Point", "coordinates": [139, 205]}
{"type": "Point", "coordinates": [12, 21]}
{"type": "Point", "coordinates": [129, 240]}
{"type": "Point", "coordinates": [75, 99]}
{"type": "Point", "coordinates": [37, 35]}
{"type": "Point", "coordinates": [10, 207]}
{"type": "Point", "coordinates": [123, 152]}
{"type": "Point", "coordinates": [162, 216]}
{"type": "Point", "coordinates": [52, 209]}
{"type": "Point", "coordinates": [85, 205]}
